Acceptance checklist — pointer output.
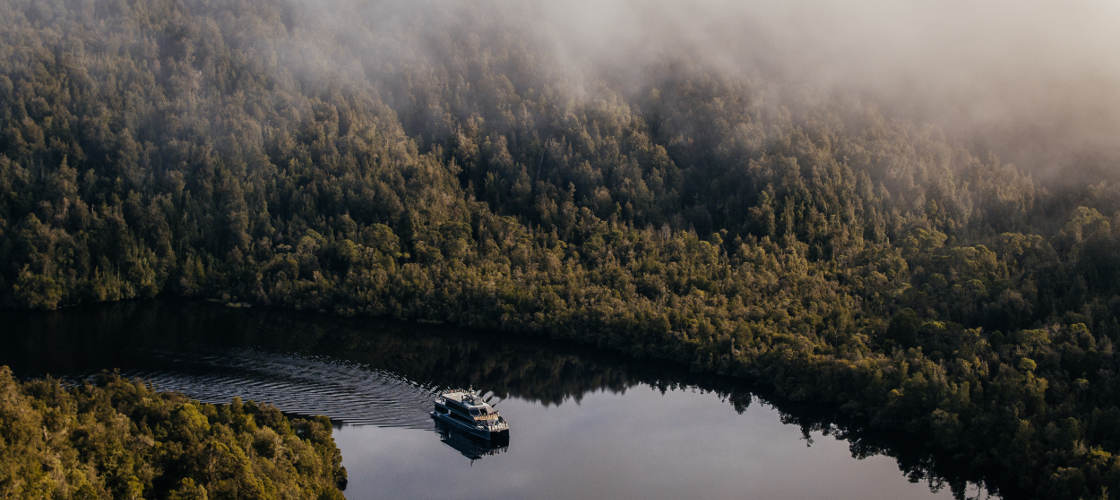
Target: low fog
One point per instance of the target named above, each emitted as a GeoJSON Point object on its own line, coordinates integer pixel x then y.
{"type": "Point", "coordinates": [1037, 82]}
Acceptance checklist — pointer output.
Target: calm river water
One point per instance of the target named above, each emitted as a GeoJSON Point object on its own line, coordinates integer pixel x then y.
{"type": "Point", "coordinates": [585, 424]}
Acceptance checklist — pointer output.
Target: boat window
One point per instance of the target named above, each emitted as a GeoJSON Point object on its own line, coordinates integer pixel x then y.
{"type": "Point", "coordinates": [474, 411]}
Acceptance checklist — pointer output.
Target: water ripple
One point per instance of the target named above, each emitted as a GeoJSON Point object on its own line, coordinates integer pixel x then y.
{"type": "Point", "coordinates": [309, 385]}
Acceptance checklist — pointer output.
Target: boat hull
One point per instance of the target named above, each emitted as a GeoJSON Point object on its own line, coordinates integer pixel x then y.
{"type": "Point", "coordinates": [494, 437]}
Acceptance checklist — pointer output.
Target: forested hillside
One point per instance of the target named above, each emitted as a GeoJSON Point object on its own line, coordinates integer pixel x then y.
{"type": "Point", "coordinates": [809, 241]}
{"type": "Point", "coordinates": [120, 439]}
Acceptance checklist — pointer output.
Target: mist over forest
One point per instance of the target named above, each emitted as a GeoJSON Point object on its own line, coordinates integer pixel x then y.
{"type": "Point", "coordinates": [1031, 81]}
{"type": "Point", "coordinates": [907, 212]}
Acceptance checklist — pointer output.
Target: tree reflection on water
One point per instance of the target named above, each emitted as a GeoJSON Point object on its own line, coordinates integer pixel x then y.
{"type": "Point", "coordinates": [124, 336]}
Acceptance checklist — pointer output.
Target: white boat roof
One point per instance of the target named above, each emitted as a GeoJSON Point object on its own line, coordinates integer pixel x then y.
{"type": "Point", "coordinates": [459, 397]}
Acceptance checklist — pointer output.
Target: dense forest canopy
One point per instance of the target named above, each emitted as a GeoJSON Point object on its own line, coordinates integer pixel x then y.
{"type": "Point", "coordinates": [610, 177]}
{"type": "Point", "coordinates": [119, 439]}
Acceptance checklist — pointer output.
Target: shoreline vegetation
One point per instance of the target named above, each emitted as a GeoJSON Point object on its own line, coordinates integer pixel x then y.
{"type": "Point", "coordinates": [820, 247]}
{"type": "Point", "coordinates": [115, 438]}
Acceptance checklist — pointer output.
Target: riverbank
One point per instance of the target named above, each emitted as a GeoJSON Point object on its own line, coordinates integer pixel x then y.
{"type": "Point", "coordinates": [217, 344]}
{"type": "Point", "coordinates": [374, 379]}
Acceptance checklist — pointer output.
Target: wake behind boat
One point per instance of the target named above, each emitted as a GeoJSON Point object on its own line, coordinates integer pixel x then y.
{"type": "Point", "coordinates": [468, 412]}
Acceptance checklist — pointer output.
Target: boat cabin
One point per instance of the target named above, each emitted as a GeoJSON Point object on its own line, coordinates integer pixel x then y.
{"type": "Point", "coordinates": [469, 407]}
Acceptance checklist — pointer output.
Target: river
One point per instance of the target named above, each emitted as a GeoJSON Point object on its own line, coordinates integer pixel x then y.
{"type": "Point", "coordinates": [584, 423]}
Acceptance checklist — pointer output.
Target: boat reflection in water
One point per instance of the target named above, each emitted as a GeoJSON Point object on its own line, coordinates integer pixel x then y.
{"type": "Point", "coordinates": [467, 444]}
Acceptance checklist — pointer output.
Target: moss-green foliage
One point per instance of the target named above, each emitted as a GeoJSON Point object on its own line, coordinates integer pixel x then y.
{"type": "Point", "coordinates": [245, 151]}
{"type": "Point", "coordinates": [120, 439]}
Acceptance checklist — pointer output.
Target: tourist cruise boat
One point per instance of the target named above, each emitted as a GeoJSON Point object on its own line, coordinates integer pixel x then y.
{"type": "Point", "coordinates": [467, 412]}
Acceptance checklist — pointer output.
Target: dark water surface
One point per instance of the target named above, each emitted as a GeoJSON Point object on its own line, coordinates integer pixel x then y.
{"type": "Point", "coordinates": [585, 424]}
